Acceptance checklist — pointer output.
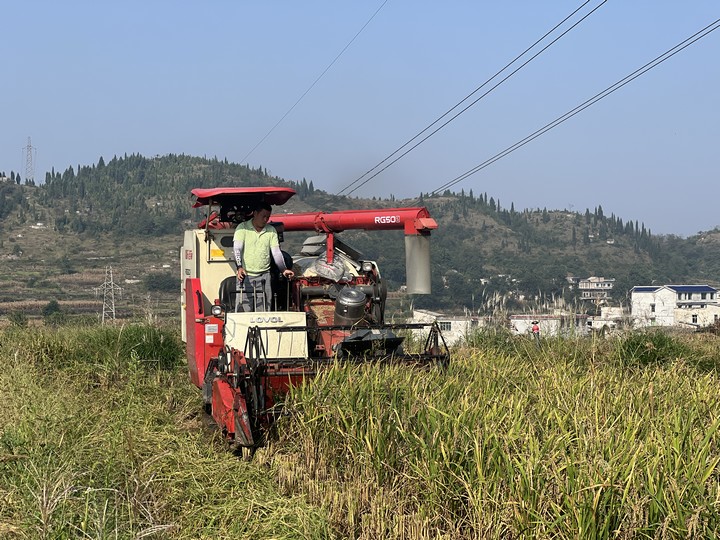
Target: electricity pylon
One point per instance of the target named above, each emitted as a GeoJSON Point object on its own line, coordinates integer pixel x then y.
{"type": "Point", "coordinates": [108, 289]}
{"type": "Point", "coordinates": [29, 167]}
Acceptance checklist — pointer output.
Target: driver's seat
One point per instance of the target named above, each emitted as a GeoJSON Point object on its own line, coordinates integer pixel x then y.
{"type": "Point", "coordinates": [228, 295]}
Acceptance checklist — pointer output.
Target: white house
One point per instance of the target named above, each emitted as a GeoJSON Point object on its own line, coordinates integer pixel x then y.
{"type": "Point", "coordinates": [595, 288]}
{"type": "Point", "coordinates": [674, 305]}
{"type": "Point", "coordinates": [455, 329]}
{"type": "Point", "coordinates": [610, 318]}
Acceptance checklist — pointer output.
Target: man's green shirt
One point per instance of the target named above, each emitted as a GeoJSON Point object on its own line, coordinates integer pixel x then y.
{"type": "Point", "coordinates": [255, 247]}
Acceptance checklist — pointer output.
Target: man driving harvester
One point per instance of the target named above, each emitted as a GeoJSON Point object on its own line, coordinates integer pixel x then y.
{"type": "Point", "coordinates": [254, 242]}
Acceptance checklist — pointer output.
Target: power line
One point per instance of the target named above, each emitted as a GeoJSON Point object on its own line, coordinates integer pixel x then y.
{"type": "Point", "coordinates": [597, 97]}
{"type": "Point", "coordinates": [471, 94]}
{"type": "Point", "coordinates": [313, 84]}
{"type": "Point", "coordinates": [464, 99]}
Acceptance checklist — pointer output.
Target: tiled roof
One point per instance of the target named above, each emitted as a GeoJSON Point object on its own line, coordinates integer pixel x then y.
{"type": "Point", "coordinates": [676, 288]}
{"type": "Point", "coordinates": [692, 288]}
{"type": "Point", "coordinates": [644, 289]}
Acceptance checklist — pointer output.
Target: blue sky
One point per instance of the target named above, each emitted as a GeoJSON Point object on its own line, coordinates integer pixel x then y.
{"type": "Point", "coordinates": [89, 79]}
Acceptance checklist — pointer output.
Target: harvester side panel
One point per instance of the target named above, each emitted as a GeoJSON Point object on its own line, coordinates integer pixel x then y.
{"type": "Point", "coordinates": [188, 269]}
{"type": "Point", "coordinates": [203, 333]}
{"type": "Point", "coordinates": [215, 261]}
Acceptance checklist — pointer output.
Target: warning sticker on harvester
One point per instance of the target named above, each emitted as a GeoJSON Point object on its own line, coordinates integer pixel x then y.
{"type": "Point", "coordinates": [219, 253]}
{"type": "Point", "coordinates": [211, 328]}
{"type": "Point", "coordinates": [208, 338]}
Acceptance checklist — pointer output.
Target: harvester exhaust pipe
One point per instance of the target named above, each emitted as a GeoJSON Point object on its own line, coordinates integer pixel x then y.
{"type": "Point", "coordinates": [417, 264]}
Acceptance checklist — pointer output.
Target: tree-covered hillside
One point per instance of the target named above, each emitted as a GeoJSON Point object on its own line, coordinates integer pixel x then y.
{"type": "Point", "coordinates": [481, 251]}
{"type": "Point", "coordinates": [135, 194]}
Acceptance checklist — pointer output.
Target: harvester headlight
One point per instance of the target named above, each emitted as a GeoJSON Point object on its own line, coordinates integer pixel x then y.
{"type": "Point", "coordinates": [216, 310]}
{"type": "Point", "coordinates": [367, 266]}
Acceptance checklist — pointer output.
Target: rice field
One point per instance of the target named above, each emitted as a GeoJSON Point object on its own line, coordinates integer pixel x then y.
{"type": "Point", "coordinates": [101, 437]}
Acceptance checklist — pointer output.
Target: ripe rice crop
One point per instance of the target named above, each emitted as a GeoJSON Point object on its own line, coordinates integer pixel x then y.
{"type": "Point", "coordinates": [574, 441]}
{"type": "Point", "coordinates": [100, 437]}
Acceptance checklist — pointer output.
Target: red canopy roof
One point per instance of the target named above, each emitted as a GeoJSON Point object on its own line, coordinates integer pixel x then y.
{"type": "Point", "coordinates": [231, 195]}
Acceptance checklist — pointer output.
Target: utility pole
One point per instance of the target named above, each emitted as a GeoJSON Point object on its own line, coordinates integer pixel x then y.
{"type": "Point", "coordinates": [108, 289]}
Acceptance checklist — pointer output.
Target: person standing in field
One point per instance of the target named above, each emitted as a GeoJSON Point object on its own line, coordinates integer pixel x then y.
{"type": "Point", "coordinates": [254, 242]}
{"type": "Point", "coordinates": [536, 332]}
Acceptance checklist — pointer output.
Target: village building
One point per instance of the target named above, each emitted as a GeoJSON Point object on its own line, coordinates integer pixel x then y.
{"type": "Point", "coordinates": [610, 318]}
{"type": "Point", "coordinates": [455, 329]}
{"type": "Point", "coordinates": [689, 306]}
{"type": "Point", "coordinates": [595, 288]}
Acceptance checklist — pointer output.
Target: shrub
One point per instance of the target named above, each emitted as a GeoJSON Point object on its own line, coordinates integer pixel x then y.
{"type": "Point", "coordinates": [18, 318]}
{"type": "Point", "coordinates": [52, 307]}
{"type": "Point", "coordinates": [646, 348]}
{"type": "Point", "coordinates": [56, 318]}
{"type": "Point", "coordinates": [83, 320]}
{"type": "Point", "coordinates": [498, 339]}
{"type": "Point", "coordinates": [99, 347]}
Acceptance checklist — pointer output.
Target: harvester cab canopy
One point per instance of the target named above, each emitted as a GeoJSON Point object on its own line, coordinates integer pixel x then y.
{"type": "Point", "coordinates": [234, 204]}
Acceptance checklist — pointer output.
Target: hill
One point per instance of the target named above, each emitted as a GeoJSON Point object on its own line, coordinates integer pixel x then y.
{"type": "Point", "coordinates": [59, 238]}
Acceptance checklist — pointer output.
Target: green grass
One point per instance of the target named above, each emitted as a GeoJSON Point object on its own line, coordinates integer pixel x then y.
{"type": "Point", "coordinates": [100, 437]}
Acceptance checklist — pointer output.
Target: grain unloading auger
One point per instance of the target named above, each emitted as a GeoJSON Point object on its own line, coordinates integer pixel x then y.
{"type": "Point", "coordinates": [332, 310]}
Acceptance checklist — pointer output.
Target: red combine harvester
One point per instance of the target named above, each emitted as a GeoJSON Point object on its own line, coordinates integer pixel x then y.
{"type": "Point", "coordinates": [332, 310]}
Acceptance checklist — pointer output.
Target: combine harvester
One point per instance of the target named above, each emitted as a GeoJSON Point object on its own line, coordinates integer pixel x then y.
{"type": "Point", "coordinates": [333, 309]}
